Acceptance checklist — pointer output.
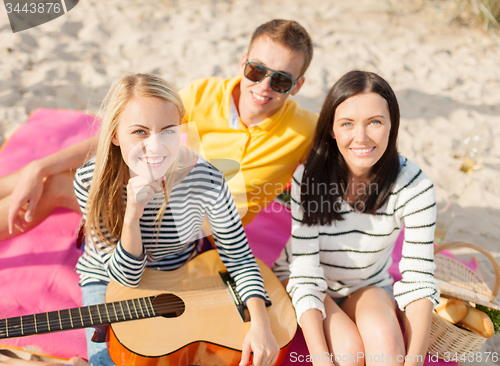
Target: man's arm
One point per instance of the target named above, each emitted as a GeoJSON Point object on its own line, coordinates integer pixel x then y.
{"type": "Point", "coordinates": [29, 187]}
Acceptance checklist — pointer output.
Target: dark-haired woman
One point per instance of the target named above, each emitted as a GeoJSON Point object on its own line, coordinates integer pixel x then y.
{"type": "Point", "coordinates": [349, 201]}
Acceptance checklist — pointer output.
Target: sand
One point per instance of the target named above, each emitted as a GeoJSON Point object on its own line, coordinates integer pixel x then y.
{"type": "Point", "coordinates": [445, 74]}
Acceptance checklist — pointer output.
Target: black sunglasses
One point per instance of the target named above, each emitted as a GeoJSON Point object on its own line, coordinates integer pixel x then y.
{"type": "Point", "coordinates": [280, 82]}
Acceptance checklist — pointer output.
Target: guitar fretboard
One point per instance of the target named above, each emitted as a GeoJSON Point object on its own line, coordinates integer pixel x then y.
{"type": "Point", "coordinates": [82, 317]}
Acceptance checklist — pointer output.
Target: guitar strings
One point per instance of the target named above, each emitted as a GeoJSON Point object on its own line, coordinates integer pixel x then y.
{"type": "Point", "coordinates": [134, 313]}
{"type": "Point", "coordinates": [128, 308]}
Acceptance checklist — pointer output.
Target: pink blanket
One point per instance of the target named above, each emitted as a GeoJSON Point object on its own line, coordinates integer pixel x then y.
{"type": "Point", "coordinates": [37, 268]}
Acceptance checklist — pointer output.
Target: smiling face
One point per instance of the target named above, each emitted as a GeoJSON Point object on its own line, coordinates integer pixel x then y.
{"type": "Point", "coordinates": [257, 101]}
{"type": "Point", "coordinates": [148, 135]}
{"type": "Point", "coordinates": [361, 126]}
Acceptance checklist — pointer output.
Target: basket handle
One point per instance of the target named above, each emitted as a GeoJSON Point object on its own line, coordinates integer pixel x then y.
{"type": "Point", "coordinates": [496, 266]}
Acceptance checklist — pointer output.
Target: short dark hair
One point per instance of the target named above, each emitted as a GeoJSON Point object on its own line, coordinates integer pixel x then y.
{"type": "Point", "coordinates": [290, 34]}
{"type": "Point", "coordinates": [326, 164]}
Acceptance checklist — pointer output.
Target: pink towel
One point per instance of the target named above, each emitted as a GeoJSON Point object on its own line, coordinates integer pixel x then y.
{"type": "Point", "coordinates": [37, 268]}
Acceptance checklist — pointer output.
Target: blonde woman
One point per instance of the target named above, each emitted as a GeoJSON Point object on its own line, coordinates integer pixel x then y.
{"type": "Point", "coordinates": [144, 197]}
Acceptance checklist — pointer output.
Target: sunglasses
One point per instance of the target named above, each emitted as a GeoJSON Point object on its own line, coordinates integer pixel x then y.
{"type": "Point", "coordinates": [280, 82]}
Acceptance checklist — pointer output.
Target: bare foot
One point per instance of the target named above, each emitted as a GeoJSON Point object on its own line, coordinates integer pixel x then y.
{"type": "Point", "coordinates": [77, 361]}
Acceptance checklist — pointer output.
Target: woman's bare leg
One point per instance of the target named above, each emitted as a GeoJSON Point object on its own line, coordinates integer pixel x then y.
{"type": "Point", "coordinates": [372, 309]}
{"type": "Point", "coordinates": [57, 192]}
{"type": "Point", "coordinates": [342, 336]}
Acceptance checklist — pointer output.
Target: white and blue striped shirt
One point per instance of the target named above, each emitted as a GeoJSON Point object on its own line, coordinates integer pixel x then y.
{"type": "Point", "coordinates": [202, 192]}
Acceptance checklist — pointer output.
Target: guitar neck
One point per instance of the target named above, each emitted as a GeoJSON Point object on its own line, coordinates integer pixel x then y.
{"type": "Point", "coordinates": [75, 318]}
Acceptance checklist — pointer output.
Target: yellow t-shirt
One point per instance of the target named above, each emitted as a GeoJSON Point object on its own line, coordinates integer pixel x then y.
{"type": "Point", "coordinates": [267, 153]}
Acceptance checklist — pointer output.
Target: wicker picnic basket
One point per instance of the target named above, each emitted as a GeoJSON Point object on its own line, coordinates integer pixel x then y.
{"type": "Point", "coordinates": [459, 281]}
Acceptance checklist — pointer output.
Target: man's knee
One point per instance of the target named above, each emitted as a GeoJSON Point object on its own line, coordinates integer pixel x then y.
{"type": "Point", "coordinates": [58, 190]}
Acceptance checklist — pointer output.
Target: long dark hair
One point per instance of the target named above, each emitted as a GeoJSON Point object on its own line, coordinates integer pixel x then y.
{"type": "Point", "coordinates": [325, 169]}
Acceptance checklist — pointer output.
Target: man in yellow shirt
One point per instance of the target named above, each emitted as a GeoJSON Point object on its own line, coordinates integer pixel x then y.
{"type": "Point", "coordinates": [248, 120]}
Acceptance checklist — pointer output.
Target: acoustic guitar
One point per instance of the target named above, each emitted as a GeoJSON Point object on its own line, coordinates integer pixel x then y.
{"type": "Point", "coordinates": [189, 316]}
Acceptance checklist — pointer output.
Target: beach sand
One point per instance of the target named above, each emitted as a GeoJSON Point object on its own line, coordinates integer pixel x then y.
{"type": "Point", "coordinates": [446, 76]}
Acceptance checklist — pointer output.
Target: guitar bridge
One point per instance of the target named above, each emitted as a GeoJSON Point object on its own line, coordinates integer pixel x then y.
{"type": "Point", "coordinates": [231, 287]}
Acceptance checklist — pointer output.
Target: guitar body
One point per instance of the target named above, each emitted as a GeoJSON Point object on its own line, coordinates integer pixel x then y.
{"type": "Point", "coordinates": [209, 332]}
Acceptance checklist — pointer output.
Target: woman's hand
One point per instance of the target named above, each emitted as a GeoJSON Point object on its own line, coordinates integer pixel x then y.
{"type": "Point", "coordinates": [27, 191]}
{"type": "Point", "coordinates": [259, 339]}
{"type": "Point", "coordinates": [140, 191]}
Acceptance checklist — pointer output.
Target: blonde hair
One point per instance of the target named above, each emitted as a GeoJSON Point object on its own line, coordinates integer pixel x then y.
{"type": "Point", "coordinates": [105, 209]}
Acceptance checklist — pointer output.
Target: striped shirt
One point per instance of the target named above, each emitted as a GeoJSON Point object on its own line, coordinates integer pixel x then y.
{"type": "Point", "coordinates": [202, 192]}
{"type": "Point", "coordinates": [345, 256]}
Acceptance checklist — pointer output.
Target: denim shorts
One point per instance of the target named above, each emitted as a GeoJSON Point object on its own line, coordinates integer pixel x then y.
{"type": "Point", "coordinates": [340, 300]}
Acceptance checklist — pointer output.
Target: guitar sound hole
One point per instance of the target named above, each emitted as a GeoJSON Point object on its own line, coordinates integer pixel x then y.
{"type": "Point", "coordinates": [169, 305]}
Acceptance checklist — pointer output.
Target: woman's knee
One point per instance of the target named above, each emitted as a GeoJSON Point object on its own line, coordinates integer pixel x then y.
{"type": "Point", "coordinates": [342, 335]}
{"type": "Point", "coordinates": [376, 320]}
{"type": "Point", "coordinates": [382, 338]}
{"type": "Point", "coordinates": [349, 352]}
{"type": "Point", "coordinates": [386, 337]}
